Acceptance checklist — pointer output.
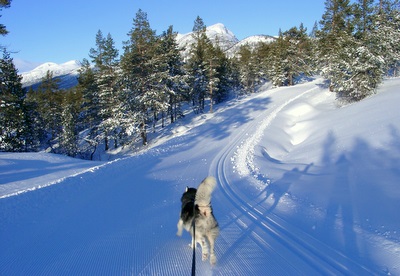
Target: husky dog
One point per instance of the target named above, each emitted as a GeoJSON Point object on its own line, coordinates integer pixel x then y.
{"type": "Point", "coordinates": [196, 205]}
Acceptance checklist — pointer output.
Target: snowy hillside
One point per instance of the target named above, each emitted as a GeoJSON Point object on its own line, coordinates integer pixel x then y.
{"type": "Point", "coordinates": [66, 72]}
{"type": "Point", "coordinates": [304, 188]}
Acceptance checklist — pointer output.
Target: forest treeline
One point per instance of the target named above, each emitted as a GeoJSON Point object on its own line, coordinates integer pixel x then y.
{"type": "Point", "coordinates": [120, 98]}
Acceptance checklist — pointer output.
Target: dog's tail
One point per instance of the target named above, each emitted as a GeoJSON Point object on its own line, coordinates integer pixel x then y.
{"type": "Point", "coordinates": [203, 194]}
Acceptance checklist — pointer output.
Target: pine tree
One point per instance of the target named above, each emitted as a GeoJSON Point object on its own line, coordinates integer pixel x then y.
{"type": "Point", "coordinates": [108, 88]}
{"type": "Point", "coordinates": [298, 53]}
{"type": "Point", "coordinates": [199, 66]}
{"type": "Point", "coordinates": [225, 79]}
{"type": "Point", "coordinates": [87, 85]}
{"type": "Point", "coordinates": [314, 30]}
{"type": "Point", "coordinates": [364, 11]}
{"type": "Point", "coordinates": [103, 95]}
{"type": "Point", "coordinates": [277, 62]}
{"type": "Point", "coordinates": [96, 54]}
{"type": "Point", "coordinates": [350, 50]}
{"type": "Point", "coordinates": [138, 65]}
{"type": "Point", "coordinates": [35, 132]}
{"type": "Point", "coordinates": [4, 4]}
{"type": "Point", "coordinates": [71, 108]}
{"type": "Point", "coordinates": [89, 118]}
{"type": "Point", "coordinates": [336, 43]}
{"type": "Point", "coordinates": [386, 34]}
{"type": "Point", "coordinates": [14, 130]}
{"type": "Point", "coordinates": [48, 99]}
{"type": "Point", "coordinates": [247, 68]}
{"type": "Point", "coordinates": [262, 60]}
{"type": "Point", "coordinates": [175, 78]}
{"type": "Point", "coordinates": [336, 26]}
{"type": "Point", "coordinates": [337, 17]}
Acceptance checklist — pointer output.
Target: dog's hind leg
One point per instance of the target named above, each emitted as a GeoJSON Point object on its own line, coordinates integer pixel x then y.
{"type": "Point", "coordinates": [204, 248]}
{"type": "Point", "coordinates": [211, 240]}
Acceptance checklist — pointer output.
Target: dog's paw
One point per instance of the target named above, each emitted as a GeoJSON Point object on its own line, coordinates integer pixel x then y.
{"type": "Point", "coordinates": [213, 259]}
{"type": "Point", "coordinates": [179, 233]}
{"type": "Point", "coordinates": [204, 257]}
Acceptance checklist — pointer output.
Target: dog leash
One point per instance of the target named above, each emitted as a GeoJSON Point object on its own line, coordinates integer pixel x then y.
{"type": "Point", "coordinates": [194, 243]}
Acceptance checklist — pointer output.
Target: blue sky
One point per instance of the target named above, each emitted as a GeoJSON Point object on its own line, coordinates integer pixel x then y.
{"type": "Point", "coordinates": [60, 31]}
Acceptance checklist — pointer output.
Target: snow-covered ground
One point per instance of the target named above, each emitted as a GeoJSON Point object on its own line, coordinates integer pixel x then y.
{"type": "Point", "coordinates": [304, 187]}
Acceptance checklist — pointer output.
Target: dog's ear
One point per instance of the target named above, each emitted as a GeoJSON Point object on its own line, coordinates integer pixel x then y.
{"type": "Point", "coordinates": [187, 188]}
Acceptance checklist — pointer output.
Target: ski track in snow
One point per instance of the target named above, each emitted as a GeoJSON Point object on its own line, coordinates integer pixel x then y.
{"type": "Point", "coordinates": [120, 218]}
{"type": "Point", "coordinates": [306, 255]}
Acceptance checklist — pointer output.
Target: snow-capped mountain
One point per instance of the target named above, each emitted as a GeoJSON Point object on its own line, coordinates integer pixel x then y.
{"type": "Point", "coordinates": [218, 33]}
{"type": "Point", "coordinates": [66, 72]}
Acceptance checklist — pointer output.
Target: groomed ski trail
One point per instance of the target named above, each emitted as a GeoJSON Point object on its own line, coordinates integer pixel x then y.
{"type": "Point", "coordinates": [120, 219]}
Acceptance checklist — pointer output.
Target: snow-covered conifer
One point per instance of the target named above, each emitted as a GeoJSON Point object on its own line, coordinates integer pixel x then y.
{"type": "Point", "coordinates": [13, 130]}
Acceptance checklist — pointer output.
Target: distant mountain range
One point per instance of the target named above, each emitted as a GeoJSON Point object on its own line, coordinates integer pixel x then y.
{"type": "Point", "coordinates": [68, 72]}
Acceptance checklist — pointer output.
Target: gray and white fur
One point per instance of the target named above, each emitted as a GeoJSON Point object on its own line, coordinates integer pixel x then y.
{"type": "Point", "coordinates": [196, 205]}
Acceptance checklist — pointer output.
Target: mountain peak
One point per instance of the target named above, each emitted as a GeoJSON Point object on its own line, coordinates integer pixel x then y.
{"type": "Point", "coordinates": [220, 28]}
{"type": "Point", "coordinates": [219, 31]}
{"type": "Point", "coordinates": [66, 71]}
